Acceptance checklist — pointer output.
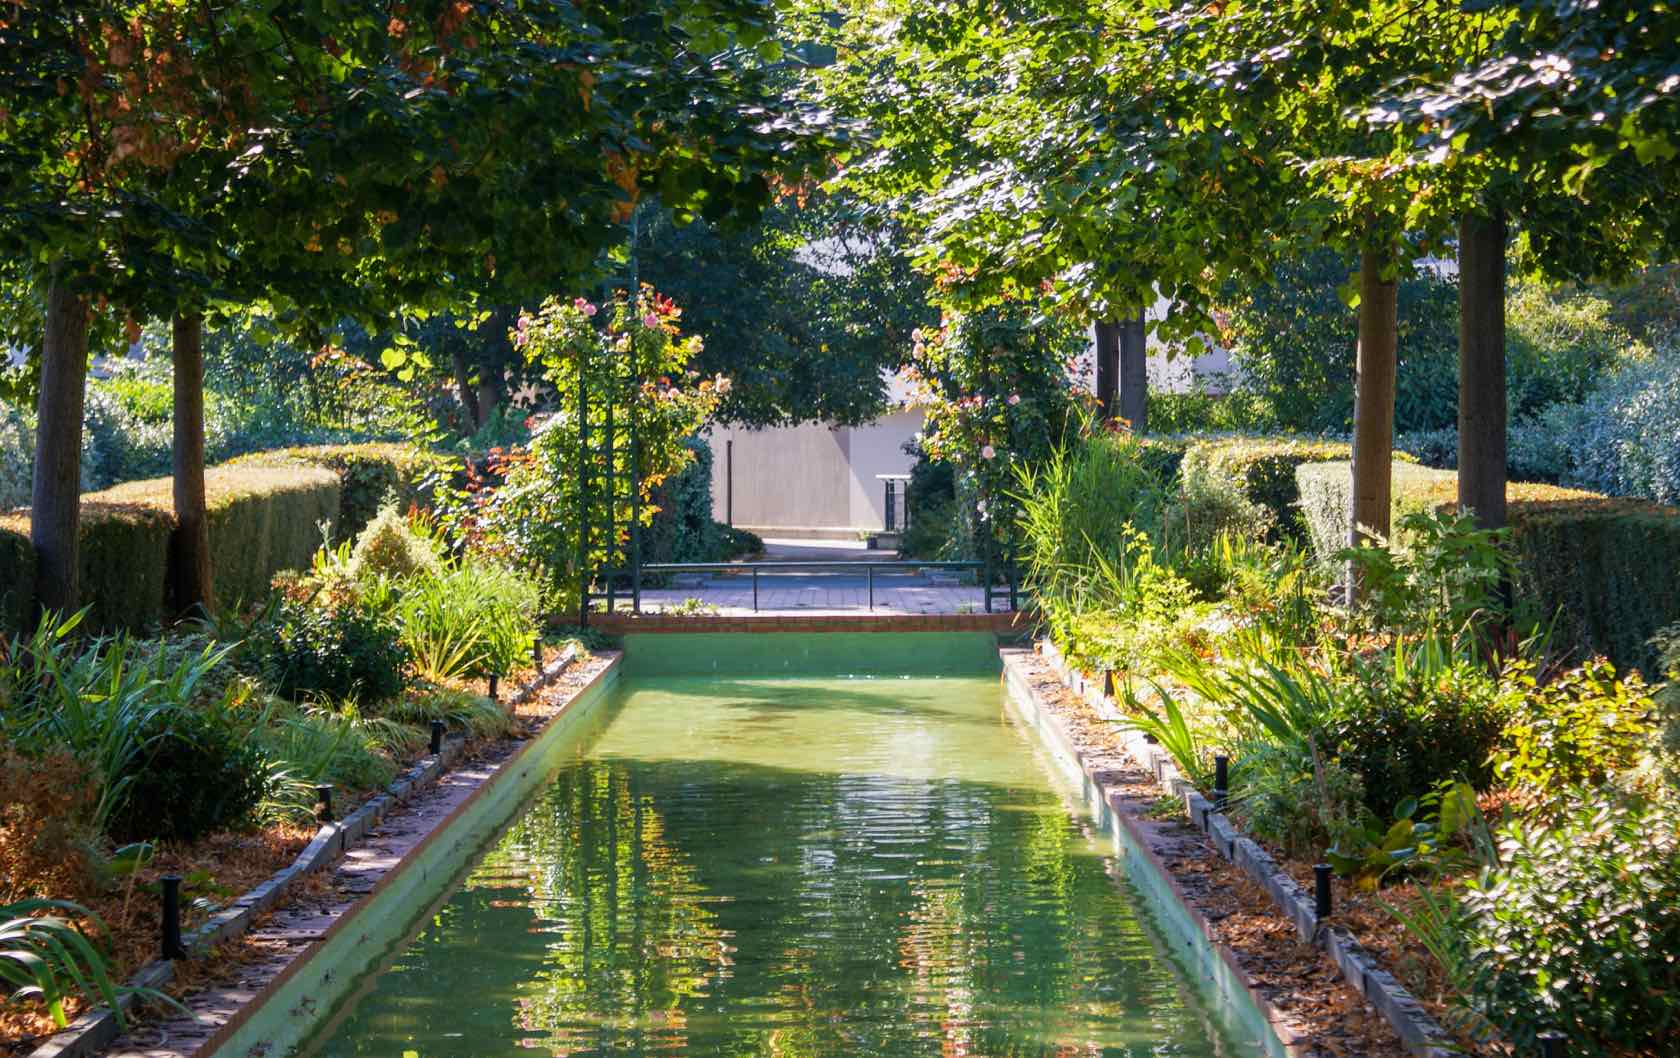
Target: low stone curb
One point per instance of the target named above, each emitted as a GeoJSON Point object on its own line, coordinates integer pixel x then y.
{"type": "Point", "coordinates": [1416, 1029]}
{"type": "Point", "coordinates": [98, 1027]}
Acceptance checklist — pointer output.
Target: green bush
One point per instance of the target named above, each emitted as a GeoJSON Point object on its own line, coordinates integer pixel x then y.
{"type": "Point", "coordinates": [1603, 574]}
{"type": "Point", "coordinates": [1576, 930]}
{"type": "Point", "coordinates": [1406, 726]}
{"type": "Point", "coordinates": [1255, 477]}
{"type": "Point", "coordinates": [1582, 727]}
{"type": "Point", "coordinates": [337, 652]}
{"type": "Point", "coordinates": [368, 474]}
{"type": "Point", "coordinates": [262, 520]}
{"type": "Point", "coordinates": [124, 559]}
{"type": "Point", "coordinates": [683, 529]}
{"type": "Point", "coordinates": [17, 576]}
{"type": "Point", "coordinates": [198, 774]}
{"type": "Point", "coordinates": [477, 619]}
{"type": "Point", "coordinates": [389, 547]}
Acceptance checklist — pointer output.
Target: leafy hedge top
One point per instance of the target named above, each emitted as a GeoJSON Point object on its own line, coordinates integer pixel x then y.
{"type": "Point", "coordinates": [223, 486]}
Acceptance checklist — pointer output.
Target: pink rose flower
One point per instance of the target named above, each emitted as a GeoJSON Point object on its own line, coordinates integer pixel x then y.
{"type": "Point", "coordinates": [988, 452]}
{"type": "Point", "coordinates": [650, 320]}
{"type": "Point", "coordinates": [588, 309]}
{"type": "Point", "coordinates": [1014, 399]}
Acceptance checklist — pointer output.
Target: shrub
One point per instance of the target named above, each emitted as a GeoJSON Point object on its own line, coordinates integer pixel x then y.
{"type": "Point", "coordinates": [1580, 728]}
{"type": "Point", "coordinates": [17, 576]}
{"type": "Point", "coordinates": [368, 475]}
{"type": "Point", "coordinates": [1606, 571]}
{"type": "Point", "coordinates": [262, 520]}
{"type": "Point", "coordinates": [341, 651]}
{"type": "Point", "coordinates": [17, 456]}
{"type": "Point", "coordinates": [198, 774]}
{"type": "Point", "coordinates": [389, 547]}
{"type": "Point", "coordinates": [1414, 720]}
{"type": "Point", "coordinates": [1622, 440]}
{"type": "Point", "coordinates": [1577, 928]}
{"type": "Point", "coordinates": [477, 619]}
{"type": "Point", "coordinates": [124, 559]}
{"type": "Point", "coordinates": [683, 529]}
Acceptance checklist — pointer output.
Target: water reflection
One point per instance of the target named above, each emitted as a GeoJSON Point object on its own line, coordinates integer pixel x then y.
{"type": "Point", "coordinates": [787, 868]}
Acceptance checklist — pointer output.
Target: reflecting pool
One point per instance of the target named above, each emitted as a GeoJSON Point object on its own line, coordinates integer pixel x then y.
{"type": "Point", "coordinates": [787, 867]}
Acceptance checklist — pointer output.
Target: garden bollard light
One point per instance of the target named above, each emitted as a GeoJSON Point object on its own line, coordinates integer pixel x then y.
{"type": "Point", "coordinates": [1321, 890]}
{"type": "Point", "coordinates": [325, 794]}
{"type": "Point", "coordinates": [1221, 781]}
{"type": "Point", "coordinates": [536, 654]}
{"type": "Point", "coordinates": [1150, 739]}
{"type": "Point", "coordinates": [437, 737]}
{"type": "Point", "coordinates": [172, 947]}
{"type": "Point", "coordinates": [495, 686]}
{"type": "Point", "coordinates": [1108, 683]}
{"type": "Point", "coordinates": [1553, 1044]}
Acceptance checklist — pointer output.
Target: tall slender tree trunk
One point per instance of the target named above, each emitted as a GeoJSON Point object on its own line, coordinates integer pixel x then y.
{"type": "Point", "coordinates": [1373, 402]}
{"type": "Point", "coordinates": [190, 544]}
{"type": "Point", "coordinates": [1134, 373]}
{"type": "Point", "coordinates": [55, 501]}
{"type": "Point", "coordinates": [1108, 367]}
{"type": "Point", "coordinates": [1482, 411]}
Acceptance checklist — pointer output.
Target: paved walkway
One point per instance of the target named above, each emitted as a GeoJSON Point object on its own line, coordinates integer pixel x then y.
{"type": "Point", "coordinates": [818, 593]}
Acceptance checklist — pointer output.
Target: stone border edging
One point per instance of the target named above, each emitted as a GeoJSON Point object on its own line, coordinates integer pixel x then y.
{"type": "Point", "coordinates": [96, 1028]}
{"type": "Point", "coordinates": [1416, 1029]}
{"type": "Point", "coordinates": [1002, 622]}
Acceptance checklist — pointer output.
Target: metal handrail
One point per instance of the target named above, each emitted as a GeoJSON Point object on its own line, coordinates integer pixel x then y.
{"type": "Point", "coordinates": [844, 565]}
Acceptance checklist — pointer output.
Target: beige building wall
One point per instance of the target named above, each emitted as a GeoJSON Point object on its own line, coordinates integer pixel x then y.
{"type": "Point", "coordinates": [801, 480]}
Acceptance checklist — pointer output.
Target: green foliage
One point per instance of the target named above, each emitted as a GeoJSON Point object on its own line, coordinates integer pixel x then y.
{"type": "Point", "coordinates": [1416, 718]}
{"type": "Point", "coordinates": [460, 709]}
{"type": "Point", "coordinates": [389, 547]}
{"type": "Point", "coordinates": [473, 619]}
{"type": "Point", "coordinates": [1580, 728]}
{"type": "Point", "coordinates": [198, 774]}
{"type": "Point", "coordinates": [332, 649]}
{"type": "Point", "coordinates": [1299, 804]}
{"type": "Point", "coordinates": [1369, 850]}
{"type": "Point", "coordinates": [1200, 411]}
{"type": "Point", "coordinates": [369, 476]}
{"type": "Point", "coordinates": [1173, 731]}
{"type": "Point", "coordinates": [550, 514]}
{"type": "Point", "coordinates": [1439, 578]}
{"type": "Point", "coordinates": [1576, 929]}
{"type": "Point", "coordinates": [46, 956]}
{"type": "Point", "coordinates": [683, 529]}
{"type": "Point", "coordinates": [308, 746]}
{"type": "Point", "coordinates": [109, 702]}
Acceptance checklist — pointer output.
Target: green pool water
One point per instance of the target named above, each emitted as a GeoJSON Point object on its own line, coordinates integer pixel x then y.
{"type": "Point", "coordinates": [787, 866]}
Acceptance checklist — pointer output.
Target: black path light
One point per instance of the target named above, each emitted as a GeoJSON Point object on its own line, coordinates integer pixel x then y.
{"type": "Point", "coordinates": [1553, 1044]}
{"type": "Point", "coordinates": [437, 737]}
{"type": "Point", "coordinates": [324, 794]}
{"type": "Point", "coordinates": [495, 686]}
{"type": "Point", "coordinates": [1321, 890]}
{"type": "Point", "coordinates": [1221, 781]}
{"type": "Point", "coordinates": [172, 946]}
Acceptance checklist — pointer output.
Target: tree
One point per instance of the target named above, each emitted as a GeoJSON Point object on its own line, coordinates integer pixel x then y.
{"type": "Point", "coordinates": [806, 311]}
{"type": "Point", "coordinates": [346, 161]}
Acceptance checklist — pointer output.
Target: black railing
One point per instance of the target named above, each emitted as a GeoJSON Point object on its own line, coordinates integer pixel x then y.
{"type": "Point", "coordinates": [993, 590]}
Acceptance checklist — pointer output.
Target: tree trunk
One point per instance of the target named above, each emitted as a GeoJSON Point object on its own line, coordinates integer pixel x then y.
{"type": "Point", "coordinates": [464, 389]}
{"type": "Point", "coordinates": [1373, 402]}
{"type": "Point", "coordinates": [1108, 367]}
{"type": "Point", "coordinates": [1481, 367]}
{"type": "Point", "coordinates": [55, 501]}
{"type": "Point", "coordinates": [190, 543]}
{"type": "Point", "coordinates": [1134, 373]}
{"type": "Point", "coordinates": [494, 359]}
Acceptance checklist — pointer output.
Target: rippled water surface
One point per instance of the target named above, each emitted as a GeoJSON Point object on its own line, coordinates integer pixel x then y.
{"type": "Point", "coordinates": [788, 867]}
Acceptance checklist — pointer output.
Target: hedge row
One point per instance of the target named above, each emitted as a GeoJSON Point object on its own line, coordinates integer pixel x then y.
{"type": "Point", "coordinates": [367, 474]}
{"type": "Point", "coordinates": [1606, 570]}
{"type": "Point", "coordinates": [266, 513]}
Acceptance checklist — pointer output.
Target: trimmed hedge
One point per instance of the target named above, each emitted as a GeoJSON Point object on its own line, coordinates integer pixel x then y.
{"type": "Point", "coordinates": [266, 511]}
{"type": "Point", "coordinates": [1258, 474]}
{"type": "Point", "coordinates": [124, 555]}
{"type": "Point", "coordinates": [263, 519]}
{"type": "Point", "coordinates": [366, 473]}
{"type": "Point", "coordinates": [1607, 569]}
{"type": "Point", "coordinates": [17, 575]}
